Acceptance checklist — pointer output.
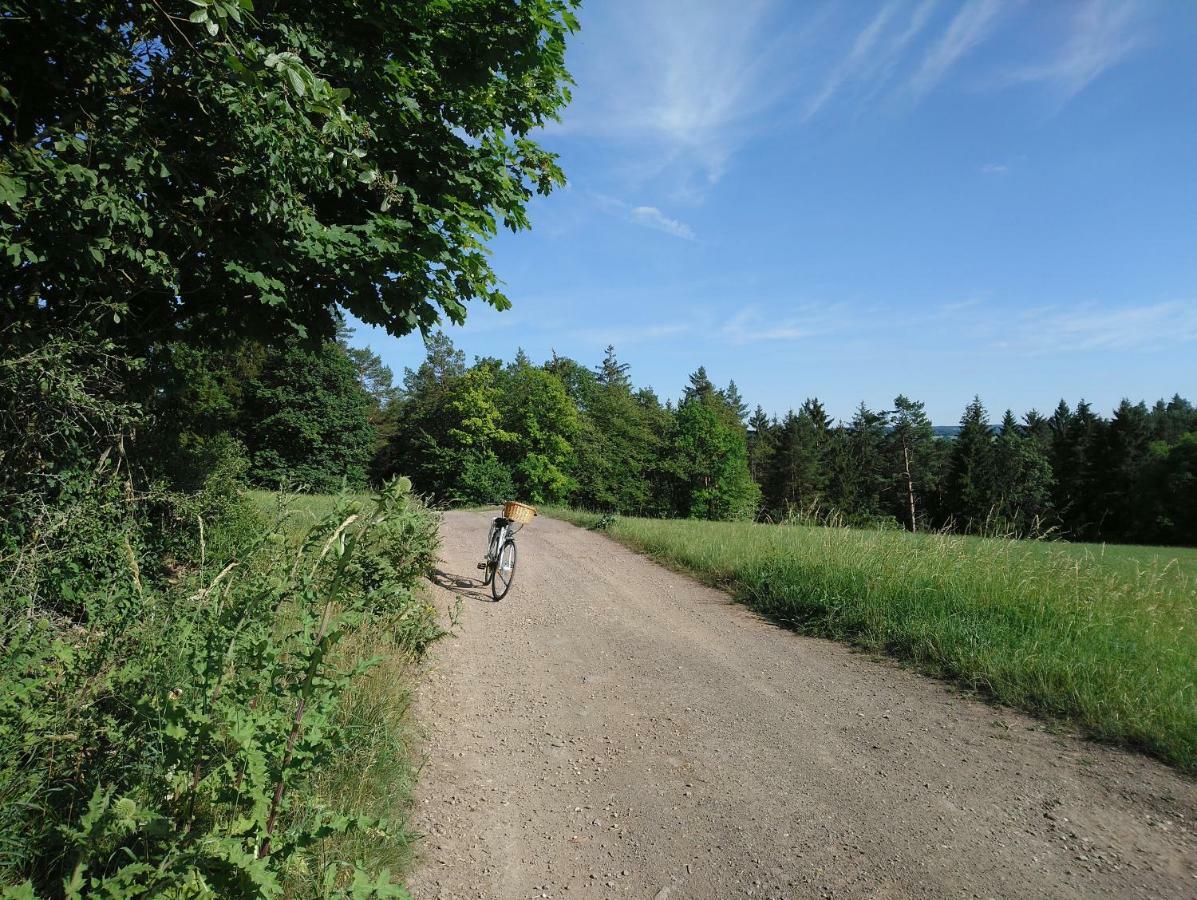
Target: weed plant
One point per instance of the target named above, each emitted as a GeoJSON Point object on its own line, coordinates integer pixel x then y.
{"type": "Point", "coordinates": [193, 704]}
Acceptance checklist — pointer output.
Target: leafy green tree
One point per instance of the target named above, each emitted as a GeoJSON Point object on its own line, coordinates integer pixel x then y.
{"type": "Point", "coordinates": [578, 380]}
{"type": "Point", "coordinates": [222, 169]}
{"type": "Point", "coordinates": [309, 419]}
{"type": "Point", "coordinates": [543, 424]}
{"type": "Point", "coordinates": [454, 442]}
{"type": "Point", "coordinates": [971, 480]}
{"type": "Point", "coordinates": [1171, 474]}
{"type": "Point", "coordinates": [1172, 420]}
{"type": "Point", "coordinates": [707, 460]}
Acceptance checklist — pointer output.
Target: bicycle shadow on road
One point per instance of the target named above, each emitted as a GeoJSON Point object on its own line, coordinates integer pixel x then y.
{"type": "Point", "coordinates": [462, 585]}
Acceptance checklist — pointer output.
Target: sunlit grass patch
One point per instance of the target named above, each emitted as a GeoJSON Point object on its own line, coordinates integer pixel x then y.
{"type": "Point", "coordinates": [1103, 637]}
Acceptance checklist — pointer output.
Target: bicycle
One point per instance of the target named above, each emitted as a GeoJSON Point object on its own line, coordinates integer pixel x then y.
{"type": "Point", "coordinates": [499, 563]}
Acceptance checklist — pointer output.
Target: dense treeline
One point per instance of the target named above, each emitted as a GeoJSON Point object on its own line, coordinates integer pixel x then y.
{"type": "Point", "coordinates": [562, 432]}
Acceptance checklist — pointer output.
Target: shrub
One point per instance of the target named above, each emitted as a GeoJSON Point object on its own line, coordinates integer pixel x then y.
{"type": "Point", "coordinates": [166, 709]}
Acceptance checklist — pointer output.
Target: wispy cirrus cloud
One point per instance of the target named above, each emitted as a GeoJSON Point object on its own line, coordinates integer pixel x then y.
{"type": "Point", "coordinates": [1101, 34]}
{"type": "Point", "coordinates": [751, 326]}
{"type": "Point", "coordinates": [684, 84]}
{"type": "Point", "coordinates": [648, 216]}
{"type": "Point", "coordinates": [652, 217]}
{"type": "Point", "coordinates": [1094, 326]}
{"type": "Point", "coordinates": [675, 89]}
{"type": "Point", "coordinates": [970, 27]}
{"type": "Point", "coordinates": [875, 52]}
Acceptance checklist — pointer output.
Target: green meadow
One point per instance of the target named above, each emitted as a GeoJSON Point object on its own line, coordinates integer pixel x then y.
{"type": "Point", "coordinates": [1104, 637]}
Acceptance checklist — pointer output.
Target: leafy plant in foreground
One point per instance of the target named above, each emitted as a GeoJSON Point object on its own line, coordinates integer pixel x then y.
{"type": "Point", "coordinates": [161, 733]}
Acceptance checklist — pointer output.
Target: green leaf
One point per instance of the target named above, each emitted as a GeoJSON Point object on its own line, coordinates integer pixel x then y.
{"type": "Point", "coordinates": [296, 82]}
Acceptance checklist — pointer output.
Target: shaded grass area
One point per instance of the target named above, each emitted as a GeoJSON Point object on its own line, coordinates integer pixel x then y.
{"type": "Point", "coordinates": [1103, 637]}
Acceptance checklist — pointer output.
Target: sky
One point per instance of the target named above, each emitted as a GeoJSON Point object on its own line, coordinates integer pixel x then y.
{"type": "Point", "coordinates": [852, 200]}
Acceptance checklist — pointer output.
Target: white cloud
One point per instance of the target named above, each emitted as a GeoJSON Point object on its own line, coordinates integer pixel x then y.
{"type": "Point", "coordinates": [750, 326]}
{"type": "Point", "coordinates": [684, 83]}
{"type": "Point", "coordinates": [1095, 327]}
{"type": "Point", "coordinates": [875, 53]}
{"type": "Point", "coordinates": [1101, 34]}
{"type": "Point", "coordinates": [638, 334]}
{"type": "Point", "coordinates": [960, 305]}
{"type": "Point", "coordinates": [652, 217]}
{"type": "Point", "coordinates": [995, 169]}
{"type": "Point", "coordinates": [970, 27]}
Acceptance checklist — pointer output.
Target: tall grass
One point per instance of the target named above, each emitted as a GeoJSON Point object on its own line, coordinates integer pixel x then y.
{"type": "Point", "coordinates": [1107, 641]}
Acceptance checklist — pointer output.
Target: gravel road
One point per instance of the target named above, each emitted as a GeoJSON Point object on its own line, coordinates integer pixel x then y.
{"type": "Point", "coordinates": [613, 729]}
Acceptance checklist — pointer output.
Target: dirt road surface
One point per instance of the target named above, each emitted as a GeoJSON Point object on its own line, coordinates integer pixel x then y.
{"type": "Point", "coordinates": [613, 729]}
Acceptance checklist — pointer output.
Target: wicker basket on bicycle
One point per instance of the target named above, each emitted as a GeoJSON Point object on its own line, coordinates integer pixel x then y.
{"type": "Point", "coordinates": [520, 513]}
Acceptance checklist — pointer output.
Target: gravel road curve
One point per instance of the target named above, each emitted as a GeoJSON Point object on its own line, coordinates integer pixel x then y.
{"type": "Point", "coordinates": [613, 729]}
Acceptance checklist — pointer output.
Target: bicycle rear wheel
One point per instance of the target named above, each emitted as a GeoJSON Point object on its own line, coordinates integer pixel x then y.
{"type": "Point", "coordinates": [504, 572]}
{"type": "Point", "coordinates": [492, 555]}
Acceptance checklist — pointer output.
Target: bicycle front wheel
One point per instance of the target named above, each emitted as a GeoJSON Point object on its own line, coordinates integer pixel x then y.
{"type": "Point", "coordinates": [504, 572]}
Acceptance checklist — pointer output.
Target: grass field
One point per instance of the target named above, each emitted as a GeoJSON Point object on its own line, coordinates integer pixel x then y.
{"type": "Point", "coordinates": [1104, 637]}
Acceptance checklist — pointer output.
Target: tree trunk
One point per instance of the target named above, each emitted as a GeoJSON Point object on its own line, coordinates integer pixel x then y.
{"type": "Point", "coordinates": [910, 489]}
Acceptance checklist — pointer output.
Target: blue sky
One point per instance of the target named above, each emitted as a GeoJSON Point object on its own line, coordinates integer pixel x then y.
{"type": "Point", "coordinates": [853, 200]}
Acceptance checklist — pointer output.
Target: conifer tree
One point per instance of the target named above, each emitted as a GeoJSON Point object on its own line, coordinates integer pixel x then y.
{"type": "Point", "coordinates": [762, 442]}
{"type": "Point", "coordinates": [971, 479]}
{"type": "Point", "coordinates": [1022, 478]}
{"type": "Point", "coordinates": [731, 396]}
{"type": "Point", "coordinates": [909, 452]}
{"type": "Point", "coordinates": [859, 481]}
{"type": "Point", "coordinates": [700, 386]}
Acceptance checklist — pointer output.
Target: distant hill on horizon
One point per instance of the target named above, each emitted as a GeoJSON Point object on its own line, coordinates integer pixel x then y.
{"type": "Point", "coordinates": [946, 431]}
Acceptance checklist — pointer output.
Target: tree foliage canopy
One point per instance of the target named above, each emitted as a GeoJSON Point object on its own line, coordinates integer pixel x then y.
{"type": "Point", "coordinates": [222, 168]}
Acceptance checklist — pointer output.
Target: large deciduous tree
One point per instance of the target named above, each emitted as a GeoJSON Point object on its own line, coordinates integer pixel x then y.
{"type": "Point", "coordinates": [223, 169]}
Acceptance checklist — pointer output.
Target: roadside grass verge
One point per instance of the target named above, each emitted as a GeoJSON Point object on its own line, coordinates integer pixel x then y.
{"type": "Point", "coordinates": [376, 771]}
{"type": "Point", "coordinates": [1105, 638]}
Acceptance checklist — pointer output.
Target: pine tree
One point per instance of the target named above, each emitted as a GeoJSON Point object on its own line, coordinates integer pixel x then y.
{"type": "Point", "coordinates": [762, 442]}
{"type": "Point", "coordinates": [799, 477]}
{"type": "Point", "coordinates": [611, 372]}
{"type": "Point", "coordinates": [619, 444]}
{"type": "Point", "coordinates": [909, 452]}
{"type": "Point", "coordinates": [1121, 468]}
{"type": "Point", "coordinates": [1038, 429]}
{"type": "Point", "coordinates": [700, 386]}
{"type": "Point", "coordinates": [858, 481]}
{"type": "Point", "coordinates": [1022, 478]}
{"type": "Point", "coordinates": [731, 396]}
{"type": "Point", "coordinates": [971, 479]}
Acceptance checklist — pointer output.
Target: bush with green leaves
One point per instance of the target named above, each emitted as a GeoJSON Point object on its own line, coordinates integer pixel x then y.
{"type": "Point", "coordinates": [162, 722]}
